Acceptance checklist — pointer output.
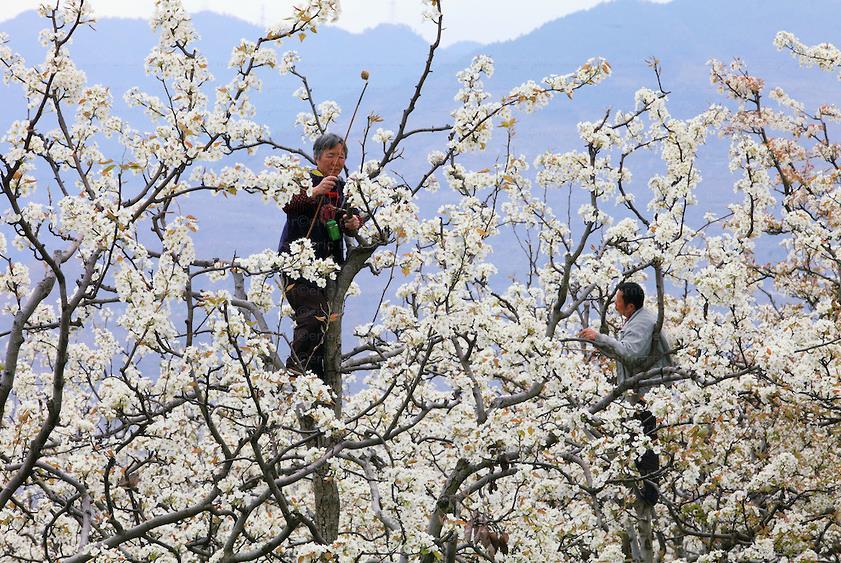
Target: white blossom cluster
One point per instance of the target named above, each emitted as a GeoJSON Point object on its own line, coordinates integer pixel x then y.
{"type": "Point", "coordinates": [530, 96]}
{"type": "Point", "coordinates": [148, 413]}
{"type": "Point", "coordinates": [394, 212]}
{"type": "Point", "coordinates": [283, 177]}
{"type": "Point", "coordinates": [313, 125]}
{"type": "Point", "coordinates": [824, 55]}
{"type": "Point", "coordinates": [473, 123]}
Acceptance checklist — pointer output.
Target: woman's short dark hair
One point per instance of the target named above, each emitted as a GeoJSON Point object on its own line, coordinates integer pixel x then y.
{"type": "Point", "coordinates": [632, 293]}
{"type": "Point", "coordinates": [326, 142]}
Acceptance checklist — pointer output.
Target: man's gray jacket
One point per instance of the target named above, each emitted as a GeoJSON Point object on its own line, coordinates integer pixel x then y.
{"type": "Point", "coordinates": [632, 350]}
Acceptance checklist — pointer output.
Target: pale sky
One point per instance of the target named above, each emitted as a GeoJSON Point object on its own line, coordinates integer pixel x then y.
{"type": "Point", "coordinates": [484, 21]}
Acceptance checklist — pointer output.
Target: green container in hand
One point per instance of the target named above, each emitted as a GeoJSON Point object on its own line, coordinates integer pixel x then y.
{"type": "Point", "coordinates": [333, 230]}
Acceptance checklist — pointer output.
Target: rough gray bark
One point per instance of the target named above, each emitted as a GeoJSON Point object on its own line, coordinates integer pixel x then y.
{"type": "Point", "coordinates": [324, 487]}
{"type": "Point", "coordinates": [16, 339]}
{"type": "Point", "coordinates": [638, 540]}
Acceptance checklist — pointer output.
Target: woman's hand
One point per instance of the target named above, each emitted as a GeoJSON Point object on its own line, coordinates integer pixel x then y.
{"type": "Point", "coordinates": [325, 186]}
{"type": "Point", "coordinates": [352, 224]}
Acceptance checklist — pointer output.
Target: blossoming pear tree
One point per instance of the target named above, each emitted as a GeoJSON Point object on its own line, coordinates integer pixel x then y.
{"type": "Point", "coordinates": [146, 412]}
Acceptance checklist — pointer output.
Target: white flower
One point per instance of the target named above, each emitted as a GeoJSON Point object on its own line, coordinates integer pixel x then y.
{"type": "Point", "coordinates": [383, 136]}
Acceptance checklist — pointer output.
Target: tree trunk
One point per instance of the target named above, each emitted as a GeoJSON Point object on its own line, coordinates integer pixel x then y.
{"type": "Point", "coordinates": [333, 346]}
{"type": "Point", "coordinates": [324, 486]}
{"type": "Point", "coordinates": [645, 536]}
{"type": "Point", "coordinates": [638, 537]}
{"type": "Point", "coordinates": [327, 505]}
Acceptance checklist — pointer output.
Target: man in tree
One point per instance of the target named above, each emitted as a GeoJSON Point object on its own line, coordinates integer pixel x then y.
{"type": "Point", "coordinates": [635, 351]}
{"type": "Point", "coordinates": [318, 217]}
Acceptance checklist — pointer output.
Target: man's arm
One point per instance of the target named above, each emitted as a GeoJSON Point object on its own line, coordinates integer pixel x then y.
{"type": "Point", "coordinates": [633, 347]}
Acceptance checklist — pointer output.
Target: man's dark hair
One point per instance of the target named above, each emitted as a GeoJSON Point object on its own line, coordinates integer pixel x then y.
{"type": "Point", "coordinates": [326, 142]}
{"type": "Point", "coordinates": [632, 293]}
